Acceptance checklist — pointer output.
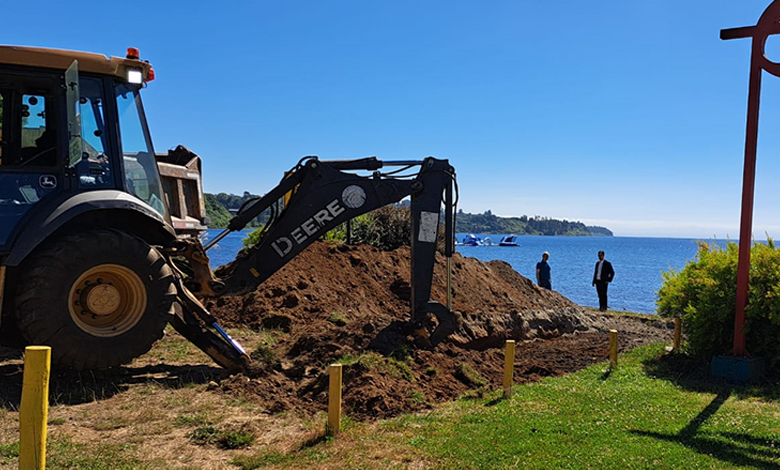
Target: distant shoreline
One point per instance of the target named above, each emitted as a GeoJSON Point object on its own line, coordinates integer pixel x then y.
{"type": "Point", "coordinates": [489, 223]}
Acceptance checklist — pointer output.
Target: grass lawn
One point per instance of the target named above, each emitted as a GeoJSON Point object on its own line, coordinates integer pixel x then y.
{"type": "Point", "coordinates": [655, 411]}
{"type": "Point", "coordinates": [643, 415]}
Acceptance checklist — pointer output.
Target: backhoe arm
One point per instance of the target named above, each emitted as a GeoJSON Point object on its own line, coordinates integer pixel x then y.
{"type": "Point", "coordinates": [322, 197]}
{"type": "Point", "coordinates": [315, 197]}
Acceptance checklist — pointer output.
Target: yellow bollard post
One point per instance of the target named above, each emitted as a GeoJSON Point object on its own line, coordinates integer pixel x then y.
{"type": "Point", "coordinates": [509, 367]}
{"type": "Point", "coordinates": [677, 333]}
{"type": "Point", "coordinates": [334, 400]}
{"type": "Point", "coordinates": [34, 409]}
{"type": "Point", "coordinates": [613, 349]}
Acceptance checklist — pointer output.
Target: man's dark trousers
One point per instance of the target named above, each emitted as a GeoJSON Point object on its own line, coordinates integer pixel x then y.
{"type": "Point", "coordinates": [601, 290]}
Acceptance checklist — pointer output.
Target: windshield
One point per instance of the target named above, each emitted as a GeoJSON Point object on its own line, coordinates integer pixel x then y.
{"type": "Point", "coordinates": [141, 175]}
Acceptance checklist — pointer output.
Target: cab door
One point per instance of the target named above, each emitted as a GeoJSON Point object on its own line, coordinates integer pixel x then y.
{"type": "Point", "coordinates": [33, 141]}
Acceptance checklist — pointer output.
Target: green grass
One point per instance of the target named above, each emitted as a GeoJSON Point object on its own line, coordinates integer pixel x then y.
{"type": "Point", "coordinates": [205, 435]}
{"type": "Point", "coordinates": [236, 439]}
{"type": "Point", "coordinates": [373, 361]}
{"type": "Point", "coordinates": [600, 420]}
{"type": "Point", "coordinates": [64, 453]}
{"type": "Point", "coordinates": [469, 375]}
{"type": "Point", "coordinates": [338, 318]}
{"type": "Point", "coordinates": [264, 353]}
{"type": "Point", "coordinates": [9, 452]}
{"type": "Point", "coordinates": [272, 458]}
{"type": "Point", "coordinates": [196, 419]}
{"type": "Point", "coordinates": [416, 397]}
{"type": "Point", "coordinates": [653, 411]}
{"type": "Point", "coordinates": [222, 438]}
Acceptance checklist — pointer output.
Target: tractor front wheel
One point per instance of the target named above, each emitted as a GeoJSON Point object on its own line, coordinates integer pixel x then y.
{"type": "Point", "coordinates": [99, 299]}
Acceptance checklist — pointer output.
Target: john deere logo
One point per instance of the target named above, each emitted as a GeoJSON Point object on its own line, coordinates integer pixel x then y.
{"type": "Point", "coordinates": [353, 196]}
{"type": "Point", "coordinates": [47, 181]}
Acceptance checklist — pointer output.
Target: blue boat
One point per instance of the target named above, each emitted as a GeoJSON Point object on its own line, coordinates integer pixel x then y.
{"type": "Point", "coordinates": [472, 240]}
{"type": "Point", "coordinates": [509, 240]}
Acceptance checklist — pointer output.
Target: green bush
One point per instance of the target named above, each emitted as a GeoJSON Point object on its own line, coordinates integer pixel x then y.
{"type": "Point", "coordinates": [386, 228]}
{"type": "Point", "coordinates": [703, 294]}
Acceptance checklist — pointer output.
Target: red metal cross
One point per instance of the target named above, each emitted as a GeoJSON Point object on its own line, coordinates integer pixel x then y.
{"type": "Point", "coordinates": [767, 25]}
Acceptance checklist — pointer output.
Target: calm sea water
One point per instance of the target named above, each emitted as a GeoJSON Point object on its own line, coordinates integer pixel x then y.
{"type": "Point", "coordinates": [638, 262]}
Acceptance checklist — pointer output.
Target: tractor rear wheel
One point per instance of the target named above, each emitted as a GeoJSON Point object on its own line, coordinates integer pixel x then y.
{"type": "Point", "coordinates": [99, 299]}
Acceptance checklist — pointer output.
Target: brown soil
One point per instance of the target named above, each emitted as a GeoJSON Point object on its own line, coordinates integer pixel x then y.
{"type": "Point", "coordinates": [333, 302]}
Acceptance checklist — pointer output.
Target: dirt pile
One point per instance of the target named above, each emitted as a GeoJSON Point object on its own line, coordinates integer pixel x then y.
{"type": "Point", "coordinates": [337, 302]}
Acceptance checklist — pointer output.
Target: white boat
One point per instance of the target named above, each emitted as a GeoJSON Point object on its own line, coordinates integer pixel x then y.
{"type": "Point", "coordinates": [509, 240]}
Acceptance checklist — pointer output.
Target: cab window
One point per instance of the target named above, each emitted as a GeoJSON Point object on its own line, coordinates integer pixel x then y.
{"type": "Point", "coordinates": [39, 141]}
{"type": "Point", "coordinates": [140, 165]}
{"type": "Point", "coordinates": [94, 169]}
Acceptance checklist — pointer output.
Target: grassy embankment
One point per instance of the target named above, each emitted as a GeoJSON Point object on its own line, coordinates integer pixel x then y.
{"type": "Point", "coordinates": [643, 415]}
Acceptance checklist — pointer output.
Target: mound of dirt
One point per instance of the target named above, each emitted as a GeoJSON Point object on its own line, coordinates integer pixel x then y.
{"type": "Point", "coordinates": [337, 302]}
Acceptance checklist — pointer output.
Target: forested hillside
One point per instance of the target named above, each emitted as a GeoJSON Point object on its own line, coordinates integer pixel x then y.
{"type": "Point", "coordinates": [487, 222]}
{"type": "Point", "coordinates": [218, 207]}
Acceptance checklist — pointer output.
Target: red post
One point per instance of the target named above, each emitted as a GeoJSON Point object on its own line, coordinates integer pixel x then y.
{"type": "Point", "coordinates": [748, 190]}
{"type": "Point", "coordinates": [767, 25]}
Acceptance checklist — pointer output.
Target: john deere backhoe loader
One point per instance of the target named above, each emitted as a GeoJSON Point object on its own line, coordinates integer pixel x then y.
{"type": "Point", "coordinates": [99, 246]}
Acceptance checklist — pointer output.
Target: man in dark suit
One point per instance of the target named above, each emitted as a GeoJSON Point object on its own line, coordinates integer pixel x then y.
{"type": "Point", "coordinates": [602, 276]}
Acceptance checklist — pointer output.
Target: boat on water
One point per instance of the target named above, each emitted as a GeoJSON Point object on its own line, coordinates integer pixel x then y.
{"type": "Point", "coordinates": [509, 240]}
{"type": "Point", "coordinates": [472, 240]}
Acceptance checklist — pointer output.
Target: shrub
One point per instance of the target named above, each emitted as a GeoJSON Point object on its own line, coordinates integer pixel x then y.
{"type": "Point", "coordinates": [703, 294]}
{"type": "Point", "coordinates": [386, 228]}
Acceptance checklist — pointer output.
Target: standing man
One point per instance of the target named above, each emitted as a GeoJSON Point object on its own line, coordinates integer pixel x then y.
{"type": "Point", "coordinates": [602, 276]}
{"type": "Point", "coordinates": [543, 272]}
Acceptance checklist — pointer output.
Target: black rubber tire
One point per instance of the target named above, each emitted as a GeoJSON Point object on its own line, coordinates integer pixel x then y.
{"type": "Point", "coordinates": [56, 278]}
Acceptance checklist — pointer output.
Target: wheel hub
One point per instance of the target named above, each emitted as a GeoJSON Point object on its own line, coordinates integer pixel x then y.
{"type": "Point", "coordinates": [102, 299]}
{"type": "Point", "coordinates": [107, 300]}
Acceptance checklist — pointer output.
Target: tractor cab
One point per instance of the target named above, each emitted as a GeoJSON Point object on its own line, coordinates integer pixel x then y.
{"type": "Point", "coordinates": [71, 123]}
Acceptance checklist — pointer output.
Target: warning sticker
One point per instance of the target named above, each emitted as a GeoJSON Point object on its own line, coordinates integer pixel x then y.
{"type": "Point", "coordinates": [429, 222]}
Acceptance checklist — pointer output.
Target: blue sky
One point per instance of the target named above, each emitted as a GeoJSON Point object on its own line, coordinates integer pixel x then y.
{"type": "Point", "coordinates": [629, 115]}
